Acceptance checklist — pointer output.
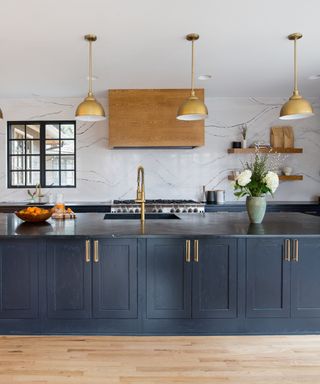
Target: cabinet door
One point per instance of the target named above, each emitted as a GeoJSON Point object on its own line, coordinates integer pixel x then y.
{"type": "Point", "coordinates": [68, 280]}
{"type": "Point", "coordinates": [305, 279]}
{"type": "Point", "coordinates": [267, 279]}
{"type": "Point", "coordinates": [214, 284]}
{"type": "Point", "coordinates": [115, 292]}
{"type": "Point", "coordinates": [168, 279]}
{"type": "Point", "coordinates": [19, 279]}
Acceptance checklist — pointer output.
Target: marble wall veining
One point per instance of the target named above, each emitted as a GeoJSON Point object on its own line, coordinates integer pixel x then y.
{"type": "Point", "coordinates": [104, 174]}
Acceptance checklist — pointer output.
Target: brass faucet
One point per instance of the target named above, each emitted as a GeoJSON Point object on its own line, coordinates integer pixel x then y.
{"type": "Point", "coordinates": [140, 192]}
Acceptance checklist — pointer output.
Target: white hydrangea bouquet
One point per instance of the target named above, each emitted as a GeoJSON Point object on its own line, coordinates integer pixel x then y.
{"type": "Point", "coordinates": [256, 179]}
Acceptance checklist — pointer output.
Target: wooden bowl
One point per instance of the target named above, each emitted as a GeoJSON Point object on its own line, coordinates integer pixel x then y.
{"type": "Point", "coordinates": [34, 218]}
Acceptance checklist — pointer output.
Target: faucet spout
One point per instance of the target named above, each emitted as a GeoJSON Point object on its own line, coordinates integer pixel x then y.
{"type": "Point", "coordinates": [141, 191]}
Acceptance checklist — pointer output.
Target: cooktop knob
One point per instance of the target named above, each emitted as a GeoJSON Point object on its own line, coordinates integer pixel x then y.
{"type": "Point", "coordinates": [131, 210]}
{"type": "Point", "coordinates": [136, 210]}
{"type": "Point", "coordinates": [172, 210]}
{"type": "Point", "coordinates": [195, 210]}
{"type": "Point", "coordinates": [160, 210]}
{"type": "Point", "coordinates": [178, 210]}
{"type": "Point", "coordinates": [184, 210]}
{"type": "Point", "coordinates": [190, 210]}
{"type": "Point", "coordinates": [154, 210]}
{"type": "Point", "coordinates": [119, 210]}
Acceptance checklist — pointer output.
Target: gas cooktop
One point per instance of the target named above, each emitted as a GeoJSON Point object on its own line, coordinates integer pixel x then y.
{"type": "Point", "coordinates": [158, 206]}
{"type": "Point", "coordinates": [157, 201]}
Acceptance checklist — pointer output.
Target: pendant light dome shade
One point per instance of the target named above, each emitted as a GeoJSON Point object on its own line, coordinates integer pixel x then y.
{"type": "Point", "coordinates": [192, 108]}
{"type": "Point", "coordinates": [90, 109]}
{"type": "Point", "coordinates": [296, 107]}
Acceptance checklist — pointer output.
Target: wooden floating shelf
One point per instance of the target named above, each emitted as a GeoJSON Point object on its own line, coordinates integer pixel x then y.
{"type": "Point", "coordinates": [281, 177]}
{"type": "Point", "coordinates": [265, 150]}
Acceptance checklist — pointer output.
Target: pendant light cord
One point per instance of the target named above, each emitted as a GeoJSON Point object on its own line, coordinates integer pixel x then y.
{"type": "Point", "coordinates": [192, 70]}
{"type": "Point", "coordinates": [90, 68]}
{"type": "Point", "coordinates": [295, 89]}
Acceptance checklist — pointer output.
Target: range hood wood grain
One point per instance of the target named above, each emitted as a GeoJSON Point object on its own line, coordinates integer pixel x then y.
{"type": "Point", "coordinates": [147, 118]}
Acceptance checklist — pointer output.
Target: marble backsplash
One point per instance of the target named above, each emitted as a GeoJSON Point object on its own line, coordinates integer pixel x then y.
{"type": "Point", "coordinates": [104, 174]}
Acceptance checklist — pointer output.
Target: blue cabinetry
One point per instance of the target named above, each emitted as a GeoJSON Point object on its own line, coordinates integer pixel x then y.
{"type": "Point", "coordinates": [160, 285]}
{"type": "Point", "coordinates": [19, 279]}
{"type": "Point", "coordinates": [191, 279]}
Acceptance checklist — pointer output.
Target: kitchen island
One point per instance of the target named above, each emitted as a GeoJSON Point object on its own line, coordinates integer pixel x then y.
{"type": "Point", "coordinates": [199, 274]}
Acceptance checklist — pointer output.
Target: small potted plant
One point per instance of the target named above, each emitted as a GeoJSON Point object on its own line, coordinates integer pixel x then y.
{"type": "Point", "coordinates": [244, 130]}
{"type": "Point", "coordinates": [255, 182]}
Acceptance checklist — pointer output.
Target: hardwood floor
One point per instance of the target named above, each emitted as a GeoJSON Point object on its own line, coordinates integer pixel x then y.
{"type": "Point", "coordinates": [165, 360]}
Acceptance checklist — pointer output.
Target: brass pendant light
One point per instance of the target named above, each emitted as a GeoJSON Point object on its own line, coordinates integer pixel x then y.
{"type": "Point", "coordinates": [90, 109]}
{"type": "Point", "coordinates": [1, 114]}
{"type": "Point", "coordinates": [193, 108]}
{"type": "Point", "coordinates": [296, 107]}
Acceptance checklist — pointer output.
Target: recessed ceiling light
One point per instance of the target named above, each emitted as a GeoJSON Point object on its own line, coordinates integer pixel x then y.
{"type": "Point", "coordinates": [314, 77]}
{"type": "Point", "coordinates": [204, 77]}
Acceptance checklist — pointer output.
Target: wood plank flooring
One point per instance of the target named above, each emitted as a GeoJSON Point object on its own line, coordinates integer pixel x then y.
{"type": "Point", "coordinates": [165, 360]}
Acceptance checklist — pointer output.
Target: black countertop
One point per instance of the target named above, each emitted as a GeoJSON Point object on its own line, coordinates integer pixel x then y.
{"type": "Point", "coordinates": [195, 225]}
{"type": "Point", "coordinates": [311, 207]}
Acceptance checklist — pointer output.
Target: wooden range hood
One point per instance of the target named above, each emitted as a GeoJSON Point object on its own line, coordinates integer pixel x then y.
{"type": "Point", "coordinates": [147, 118]}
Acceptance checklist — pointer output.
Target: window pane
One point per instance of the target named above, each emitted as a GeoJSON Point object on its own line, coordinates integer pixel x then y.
{"type": "Point", "coordinates": [17, 147]}
{"type": "Point", "coordinates": [52, 177]}
{"type": "Point", "coordinates": [33, 178]}
{"type": "Point", "coordinates": [33, 131]}
{"type": "Point", "coordinates": [67, 178]}
{"type": "Point", "coordinates": [67, 131]}
{"type": "Point", "coordinates": [67, 162]}
{"type": "Point", "coordinates": [33, 162]}
{"type": "Point", "coordinates": [52, 131]}
{"type": "Point", "coordinates": [17, 131]}
{"type": "Point", "coordinates": [52, 162]}
{"type": "Point", "coordinates": [52, 146]}
{"type": "Point", "coordinates": [67, 147]}
{"type": "Point", "coordinates": [17, 179]}
{"type": "Point", "coordinates": [17, 163]}
{"type": "Point", "coordinates": [33, 147]}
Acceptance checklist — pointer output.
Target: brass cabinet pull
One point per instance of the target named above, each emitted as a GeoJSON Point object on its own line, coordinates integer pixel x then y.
{"type": "Point", "coordinates": [188, 247]}
{"type": "Point", "coordinates": [287, 250]}
{"type": "Point", "coordinates": [196, 251]}
{"type": "Point", "coordinates": [296, 251]}
{"type": "Point", "coordinates": [96, 251]}
{"type": "Point", "coordinates": [87, 251]}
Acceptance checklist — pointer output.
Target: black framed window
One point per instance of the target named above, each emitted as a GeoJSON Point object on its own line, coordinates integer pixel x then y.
{"type": "Point", "coordinates": [41, 153]}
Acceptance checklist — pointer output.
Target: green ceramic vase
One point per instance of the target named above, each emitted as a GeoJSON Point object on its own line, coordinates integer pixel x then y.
{"type": "Point", "coordinates": [256, 208]}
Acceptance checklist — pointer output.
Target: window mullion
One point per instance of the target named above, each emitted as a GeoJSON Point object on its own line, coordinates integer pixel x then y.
{"type": "Point", "coordinates": [42, 155]}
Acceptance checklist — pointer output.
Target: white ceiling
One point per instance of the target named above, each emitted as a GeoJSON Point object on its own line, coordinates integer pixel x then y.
{"type": "Point", "coordinates": [141, 45]}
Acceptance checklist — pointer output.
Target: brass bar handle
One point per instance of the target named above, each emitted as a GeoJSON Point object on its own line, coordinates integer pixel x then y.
{"type": "Point", "coordinates": [96, 251]}
{"type": "Point", "coordinates": [287, 250]}
{"type": "Point", "coordinates": [87, 251]}
{"type": "Point", "coordinates": [188, 253]}
{"type": "Point", "coordinates": [196, 251]}
{"type": "Point", "coordinates": [296, 251]}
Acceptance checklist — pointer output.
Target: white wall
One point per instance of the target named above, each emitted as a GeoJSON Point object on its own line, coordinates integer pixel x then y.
{"type": "Point", "coordinates": [105, 174]}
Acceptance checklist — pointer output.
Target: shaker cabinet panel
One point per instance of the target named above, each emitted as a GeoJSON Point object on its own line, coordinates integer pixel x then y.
{"type": "Point", "coordinates": [19, 279]}
{"type": "Point", "coordinates": [115, 279]}
{"type": "Point", "coordinates": [214, 285]}
{"type": "Point", "coordinates": [268, 278]}
{"type": "Point", "coordinates": [305, 279]}
{"type": "Point", "coordinates": [168, 279]}
{"type": "Point", "coordinates": [68, 280]}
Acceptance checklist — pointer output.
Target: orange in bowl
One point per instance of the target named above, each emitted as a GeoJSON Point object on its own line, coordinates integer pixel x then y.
{"type": "Point", "coordinates": [34, 214]}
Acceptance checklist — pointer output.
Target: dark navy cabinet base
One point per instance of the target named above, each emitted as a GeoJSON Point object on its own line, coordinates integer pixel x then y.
{"type": "Point", "coordinates": [160, 286]}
